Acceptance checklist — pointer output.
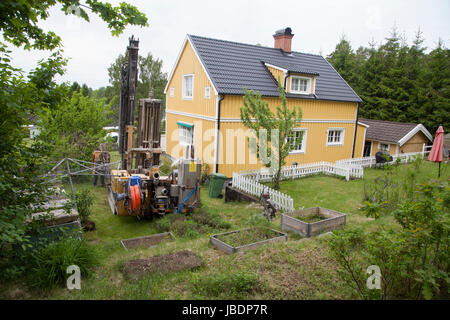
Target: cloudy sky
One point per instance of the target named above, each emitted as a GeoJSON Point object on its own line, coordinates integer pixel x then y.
{"type": "Point", "coordinates": [318, 25]}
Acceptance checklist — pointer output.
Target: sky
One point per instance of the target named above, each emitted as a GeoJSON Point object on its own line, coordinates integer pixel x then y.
{"type": "Point", "coordinates": [317, 26]}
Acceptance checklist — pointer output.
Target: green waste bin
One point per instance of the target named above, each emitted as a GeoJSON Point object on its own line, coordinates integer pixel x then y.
{"type": "Point", "coordinates": [216, 181]}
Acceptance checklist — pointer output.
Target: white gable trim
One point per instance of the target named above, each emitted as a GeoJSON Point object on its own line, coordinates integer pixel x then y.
{"type": "Point", "coordinates": [410, 134]}
{"type": "Point", "coordinates": [169, 79]}
{"type": "Point", "coordinates": [363, 124]}
{"type": "Point", "coordinates": [275, 67]}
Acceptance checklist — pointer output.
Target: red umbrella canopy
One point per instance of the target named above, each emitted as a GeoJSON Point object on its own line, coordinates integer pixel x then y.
{"type": "Point", "coordinates": [436, 150]}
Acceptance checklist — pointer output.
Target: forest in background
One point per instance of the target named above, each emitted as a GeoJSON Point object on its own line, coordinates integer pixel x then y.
{"type": "Point", "coordinates": [397, 81]}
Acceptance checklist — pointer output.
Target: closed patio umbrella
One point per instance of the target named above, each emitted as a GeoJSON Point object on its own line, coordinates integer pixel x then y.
{"type": "Point", "coordinates": [436, 151]}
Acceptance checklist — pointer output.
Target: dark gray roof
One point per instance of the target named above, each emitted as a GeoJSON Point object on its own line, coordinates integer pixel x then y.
{"type": "Point", "coordinates": [233, 66]}
{"type": "Point", "coordinates": [387, 131]}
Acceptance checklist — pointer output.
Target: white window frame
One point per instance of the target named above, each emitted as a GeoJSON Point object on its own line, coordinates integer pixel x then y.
{"type": "Point", "coordinates": [185, 97]}
{"type": "Point", "coordinates": [341, 140]}
{"type": "Point", "coordinates": [388, 146]}
{"type": "Point", "coordinates": [186, 134]}
{"type": "Point", "coordinates": [207, 92]}
{"type": "Point", "coordinates": [308, 85]}
{"type": "Point", "coordinates": [304, 139]}
{"type": "Point", "coordinates": [172, 92]}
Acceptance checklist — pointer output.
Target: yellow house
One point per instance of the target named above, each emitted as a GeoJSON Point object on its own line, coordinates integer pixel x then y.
{"type": "Point", "coordinates": [394, 137]}
{"type": "Point", "coordinates": [204, 95]}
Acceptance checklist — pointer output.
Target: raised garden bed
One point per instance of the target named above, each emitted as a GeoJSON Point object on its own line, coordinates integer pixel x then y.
{"type": "Point", "coordinates": [172, 262]}
{"type": "Point", "coordinates": [244, 239]}
{"type": "Point", "coordinates": [312, 221]}
{"type": "Point", "coordinates": [147, 241]}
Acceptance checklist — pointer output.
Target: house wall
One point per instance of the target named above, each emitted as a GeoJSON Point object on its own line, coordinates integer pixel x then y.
{"type": "Point", "coordinates": [276, 73]}
{"type": "Point", "coordinates": [317, 118]}
{"type": "Point", "coordinates": [415, 144]}
{"type": "Point", "coordinates": [235, 155]}
{"type": "Point", "coordinates": [204, 132]}
{"type": "Point", "coordinates": [392, 148]}
{"type": "Point", "coordinates": [359, 142]}
{"type": "Point", "coordinates": [189, 64]}
{"type": "Point", "coordinates": [311, 109]}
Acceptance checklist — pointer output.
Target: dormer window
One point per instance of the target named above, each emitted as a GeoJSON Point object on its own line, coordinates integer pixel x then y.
{"type": "Point", "coordinates": [300, 85]}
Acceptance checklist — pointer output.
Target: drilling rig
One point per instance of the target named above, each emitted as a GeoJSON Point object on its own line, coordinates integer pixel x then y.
{"type": "Point", "coordinates": [138, 188]}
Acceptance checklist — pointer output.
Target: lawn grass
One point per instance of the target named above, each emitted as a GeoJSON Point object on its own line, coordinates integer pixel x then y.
{"type": "Point", "coordinates": [297, 269]}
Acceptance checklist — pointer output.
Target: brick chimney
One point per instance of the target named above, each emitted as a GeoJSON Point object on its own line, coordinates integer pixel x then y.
{"type": "Point", "coordinates": [283, 39]}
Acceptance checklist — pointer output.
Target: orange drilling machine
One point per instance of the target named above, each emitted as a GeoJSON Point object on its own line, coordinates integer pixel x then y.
{"type": "Point", "coordinates": [138, 188]}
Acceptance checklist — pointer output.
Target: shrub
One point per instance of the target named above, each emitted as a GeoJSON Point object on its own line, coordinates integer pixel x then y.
{"type": "Point", "coordinates": [163, 224]}
{"type": "Point", "coordinates": [258, 220]}
{"type": "Point", "coordinates": [84, 201]}
{"type": "Point", "coordinates": [205, 173]}
{"type": "Point", "coordinates": [413, 259]}
{"type": "Point", "coordinates": [384, 194]}
{"type": "Point", "coordinates": [211, 219]}
{"type": "Point", "coordinates": [191, 226]}
{"type": "Point", "coordinates": [234, 285]}
{"type": "Point", "coordinates": [49, 264]}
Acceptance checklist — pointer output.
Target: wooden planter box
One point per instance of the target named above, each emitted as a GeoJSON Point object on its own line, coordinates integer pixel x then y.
{"type": "Point", "coordinates": [219, 244]}
{"type": "Point", "coordinates": [333, 220]}
{"type": "Point", "coordinates": [146, 241]}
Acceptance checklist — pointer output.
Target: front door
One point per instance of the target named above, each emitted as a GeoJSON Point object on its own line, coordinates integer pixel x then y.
{"type": "Point", "coordinates": [367, 148]}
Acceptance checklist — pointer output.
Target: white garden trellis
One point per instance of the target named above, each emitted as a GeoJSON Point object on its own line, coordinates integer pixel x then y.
{"type": "Point", "coordinates": [84, 168]}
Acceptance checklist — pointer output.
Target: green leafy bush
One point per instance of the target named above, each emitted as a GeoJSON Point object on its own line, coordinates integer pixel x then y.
{"type": "Point", "coordinates": [79, 130]}
{"type": "Point", "coordinates": [384, 194]}
{"type": "Point", "coordinates": [413, 259]}
{"type": "Point", "coordinates": [49, 264]}
{"type": "Point", "coordinates": [84, 200]}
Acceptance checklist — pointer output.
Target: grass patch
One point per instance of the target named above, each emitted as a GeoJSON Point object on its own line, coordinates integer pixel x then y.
{"type": "Point", "coordinates": [309, 218]}
{"type": "Point", "coordinates": [235, 285]}
{"type": "Point", "coordinates": [191, 226]}
{"type": "Point", "coordinates": [50, 263]}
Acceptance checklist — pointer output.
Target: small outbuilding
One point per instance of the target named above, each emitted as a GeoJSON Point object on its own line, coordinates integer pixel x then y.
{"type": "Point", "coordinates": [394, 137]}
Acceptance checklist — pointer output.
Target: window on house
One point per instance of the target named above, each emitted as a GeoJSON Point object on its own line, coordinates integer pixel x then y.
{"type": "Point", "coordinates": [172, 92]}
{"type": "Point", "coordinates": [298, 141]}
{"type": "Point", "coordinates": [383, 147]}
{"type": "Point", "coordinates": [186, 133]}
{"type": "Point", "coordinates": [301, 85]}
{"type": "Point", "coordinates": [335, 137]}
{"type": "Point", "coordinates": [207, 92]}
{"type": "Point", "coordinates": [188, 86]}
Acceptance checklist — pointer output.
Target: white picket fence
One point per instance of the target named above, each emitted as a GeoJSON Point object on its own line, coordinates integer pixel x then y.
{"type": "Point", "coordinates": [370, 161]}
{"type": "Point", "coordinates": [249, 180]}
{"type": "Point", "coordinates": [251, 186]}
{"type": "Point", "coordinates": [294, 172]}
